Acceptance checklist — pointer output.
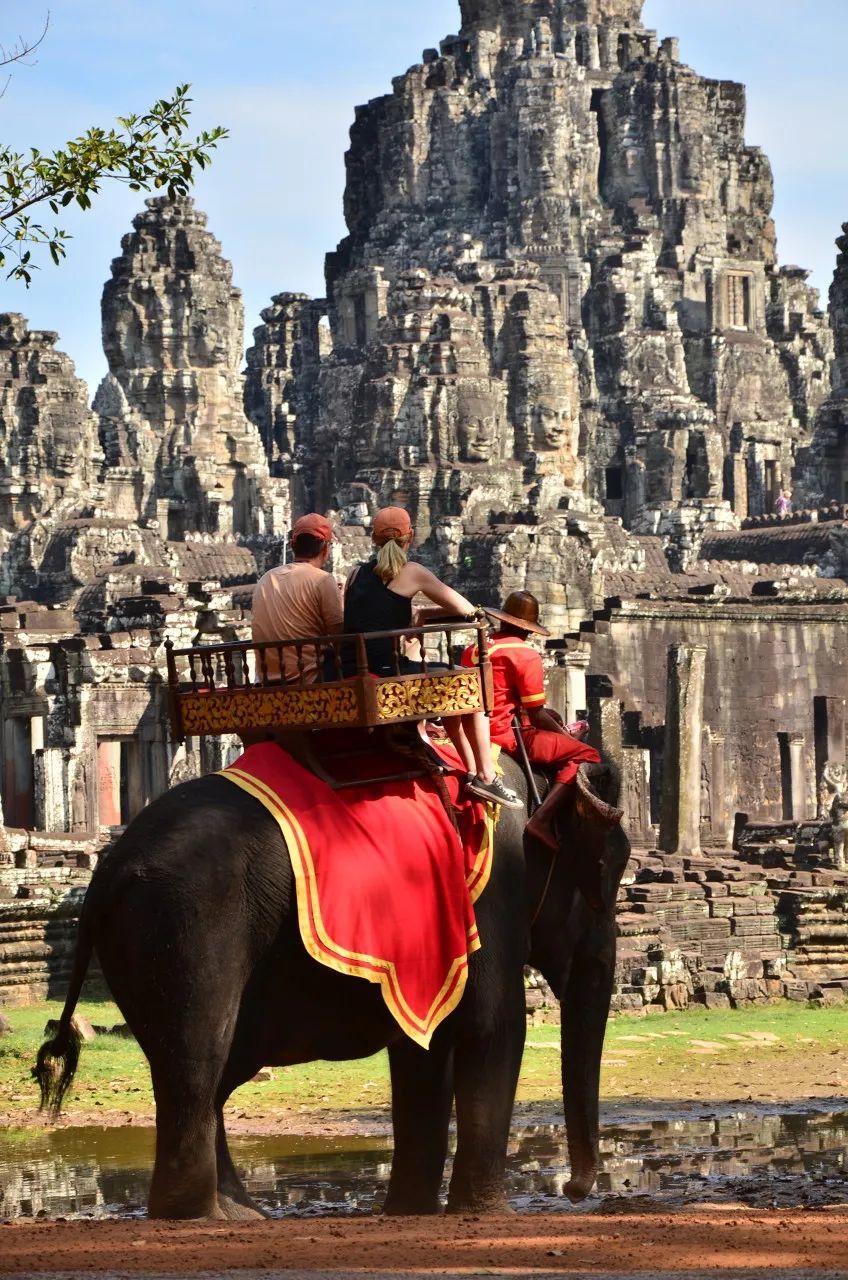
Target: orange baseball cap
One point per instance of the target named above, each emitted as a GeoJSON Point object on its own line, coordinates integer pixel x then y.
{"type": "Point", "coordinates": [392, 523]}
{"type": "Point", "coordinates": [317, 526]}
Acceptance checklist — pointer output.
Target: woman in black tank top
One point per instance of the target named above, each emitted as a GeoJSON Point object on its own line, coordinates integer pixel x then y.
{"type": "Point", "coordinates": [371, 605]}
{"type": "Point", "coordinates": [378, 597]}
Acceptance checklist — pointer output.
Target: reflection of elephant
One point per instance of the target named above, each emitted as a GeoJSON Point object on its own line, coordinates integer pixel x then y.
{"type": "Point", "coordinates": [193, 917]}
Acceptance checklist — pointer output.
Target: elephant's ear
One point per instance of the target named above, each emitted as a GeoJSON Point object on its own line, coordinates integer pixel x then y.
{"type": "Point", "coordinates": [598, 788]}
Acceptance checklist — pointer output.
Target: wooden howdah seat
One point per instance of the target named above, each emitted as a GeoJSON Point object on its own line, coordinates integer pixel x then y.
{"type": "Point", "coordinates": [230, 689]}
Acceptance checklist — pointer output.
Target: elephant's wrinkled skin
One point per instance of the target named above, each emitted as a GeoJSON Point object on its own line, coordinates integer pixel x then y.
{"type": "Point", "coordinates": [193, 918]}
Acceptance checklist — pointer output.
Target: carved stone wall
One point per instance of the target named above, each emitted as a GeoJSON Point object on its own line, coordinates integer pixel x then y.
{"type": "Point", "coordinates": [752, 703]}
{"type": "Point", "coordinates": [49, 451]}
{"type": "Point", "coordinates": [281, 377]}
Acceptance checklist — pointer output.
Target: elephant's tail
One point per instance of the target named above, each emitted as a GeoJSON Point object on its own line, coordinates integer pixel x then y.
{"type": "Point", "coordinates": [58, 1058]}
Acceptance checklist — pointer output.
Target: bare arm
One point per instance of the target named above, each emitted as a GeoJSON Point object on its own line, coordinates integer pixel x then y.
{"type": "Point", "coordinates": [542, 719]}
{"type": "Point", "coordinates": [416, 578]}
{"type": "Point", "coordinates": [424, 617]}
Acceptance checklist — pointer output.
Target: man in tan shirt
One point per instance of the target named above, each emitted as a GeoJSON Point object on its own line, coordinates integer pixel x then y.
{"type": "Point", "coordinates": [299, 600]}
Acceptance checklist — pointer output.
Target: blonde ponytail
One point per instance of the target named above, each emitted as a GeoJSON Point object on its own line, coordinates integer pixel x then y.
{"type": "Point", "coordinates": [391, 558]}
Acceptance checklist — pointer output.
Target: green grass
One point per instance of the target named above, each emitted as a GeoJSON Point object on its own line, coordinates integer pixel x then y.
{"type": "Point", "coordinates": [779, 1051]}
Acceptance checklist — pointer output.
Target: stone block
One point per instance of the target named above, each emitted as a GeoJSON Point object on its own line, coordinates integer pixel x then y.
{"type": "Point", "coordinates": [716, 1000]}
{"type": "Point", "coordinates": [79, 1024]}
{"type": "Point", "coordinates": [746, 990]}
{"type": "Point", "coordinates": [831, 996]}
{"type": "Point", "coordinates": [626, 1002]}
{"type": "Point", "coordinates": [675, 996]}
{"type": "Point", "coordinates": [716, 889]}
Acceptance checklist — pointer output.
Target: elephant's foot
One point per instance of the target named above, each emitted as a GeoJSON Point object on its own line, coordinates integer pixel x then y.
{"type": "Point", "coordinates": [486, 1203]}
{"type": "Point", "coordinates": [410, 1206]}
{"type": "Point", "coordinates": [159, 1213]}
{"type": "Point", "coordinates": [232, 1211]}
{"type": "Point", "coordinates": [486, 1209]}
{"type": "Point", "coordinates": [580, 1184]}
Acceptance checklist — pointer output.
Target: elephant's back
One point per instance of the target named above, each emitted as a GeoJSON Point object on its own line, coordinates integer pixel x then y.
{"type": "Point", "coordinates": [205, 841]}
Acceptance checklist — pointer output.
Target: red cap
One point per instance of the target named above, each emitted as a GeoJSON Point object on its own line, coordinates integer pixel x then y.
{"type": "Point", "coordinates": [317, 526]}
{"type": "Point", "coordinates": [391, 524]}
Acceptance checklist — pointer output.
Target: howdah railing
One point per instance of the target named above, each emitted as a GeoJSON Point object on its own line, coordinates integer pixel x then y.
{"type": "Point", "coordinates": [241, 687]}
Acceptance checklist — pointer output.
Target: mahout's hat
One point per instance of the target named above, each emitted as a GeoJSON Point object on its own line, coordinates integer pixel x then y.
{"type": "Point", "coordinates": [521, 609]}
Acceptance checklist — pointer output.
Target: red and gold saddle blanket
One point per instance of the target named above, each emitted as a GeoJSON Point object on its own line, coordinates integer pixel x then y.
{"type": "Point", "coordinates": [385, 887]}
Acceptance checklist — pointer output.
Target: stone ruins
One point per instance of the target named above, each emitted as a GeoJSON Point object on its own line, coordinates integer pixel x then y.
{"type": "Point", "coordinates": [559, 333]}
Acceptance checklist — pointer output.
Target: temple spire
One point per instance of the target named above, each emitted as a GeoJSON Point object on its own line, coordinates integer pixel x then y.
{"type": "Point", "coordinates": [519, 15]}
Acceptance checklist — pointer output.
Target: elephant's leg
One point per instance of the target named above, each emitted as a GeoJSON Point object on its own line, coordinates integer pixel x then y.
{"type": "Point", "coordinates": [188, 1059]}
{"type": "Point", "coordinates": [233, 1201]}
{"type": "Point", "coordinates": [486, 1069]}
{"type": "Point", "coordinates": [585, 1011]}
{"type": "Point", "coordinates": [422, 1097]}
{"type": "Point", "coordinates": [185, 1174]}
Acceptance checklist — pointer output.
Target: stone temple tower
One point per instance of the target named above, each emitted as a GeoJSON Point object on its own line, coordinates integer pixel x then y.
{"type": "Point", "coordinates": [179, 447]}
{"type": "Point", "coordinates": [559, 294]}
{"type": "Point", "coordinates": [825, 474]}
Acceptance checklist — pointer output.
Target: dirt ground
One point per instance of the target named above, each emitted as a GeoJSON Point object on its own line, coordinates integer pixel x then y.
{"type": "Point", "coordinates": [727, 1238]}
{"type": "Point", "coordinates": [652, 1067]}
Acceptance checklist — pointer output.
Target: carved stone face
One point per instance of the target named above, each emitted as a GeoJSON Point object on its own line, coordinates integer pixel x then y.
{"type": "Point", "coordinates": [477, 440]}
{"type": "Point", "coordinates": [542, 156]}
{"type": "Point", "coordinates": [550, 428]}
{"type": "Point", "coordinates": [476, 428]}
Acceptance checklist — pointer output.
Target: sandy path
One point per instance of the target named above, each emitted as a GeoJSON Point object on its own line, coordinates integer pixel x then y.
{"type": "Point", "coordinates": [728, 1238]}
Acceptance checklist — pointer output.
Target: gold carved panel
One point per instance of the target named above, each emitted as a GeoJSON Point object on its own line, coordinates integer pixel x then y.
{"type": "Point", "coordinates": [230, 712]}
{"type": "Point", "coordinates": [450, 694]}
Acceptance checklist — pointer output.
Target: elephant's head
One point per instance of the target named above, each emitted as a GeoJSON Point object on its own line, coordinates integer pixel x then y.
{"type": "Point", "coordinates": [573, 942]}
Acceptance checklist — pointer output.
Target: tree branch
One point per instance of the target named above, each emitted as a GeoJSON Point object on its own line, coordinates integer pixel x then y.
{"type": "Point", "coordinates": [20, 50]}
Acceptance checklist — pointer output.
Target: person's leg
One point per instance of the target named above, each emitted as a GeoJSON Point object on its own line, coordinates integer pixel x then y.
{"type": "Point", "coordinates": [476, 727]}
{"type": "Point", "coordinates": [565, 754]}
{"type": "Point", "coordinates": [455, 729]}
{"type": "Point", "coordinates": [487, 785]}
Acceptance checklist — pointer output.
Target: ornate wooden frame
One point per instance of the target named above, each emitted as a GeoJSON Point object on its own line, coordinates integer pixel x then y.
{"type": "Point", "coordinates": [226, 688]}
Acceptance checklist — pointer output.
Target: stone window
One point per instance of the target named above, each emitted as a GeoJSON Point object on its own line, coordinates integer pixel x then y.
{"type": "Point", "coordinates": [110, 809]}
{"type": "Point", "coordinates": [615, 483]}
{"type": "Point", "coordinates": [738, 300]}
{"type": "Point", "coordinates": [558, 283]}
{"type": "Point", "coordinates": [119, 794]}
{"type": "Point", "coordinates": [360, 320]}
{"type": "Point", "coordinates": [785, 775]}
{"type": "Point", "coordinates": [18, 790]}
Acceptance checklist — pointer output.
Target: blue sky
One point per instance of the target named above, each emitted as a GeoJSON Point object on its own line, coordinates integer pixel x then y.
{"type": "Point", "coordinates": [285, 76]}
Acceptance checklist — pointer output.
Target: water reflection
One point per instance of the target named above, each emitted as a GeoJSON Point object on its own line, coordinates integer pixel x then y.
{"type": "Point", "coordinates": [758, 1158]}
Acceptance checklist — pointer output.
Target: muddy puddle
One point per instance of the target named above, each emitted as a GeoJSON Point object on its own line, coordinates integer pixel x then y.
{"type": "Point", "coordinates": [761, 1159]}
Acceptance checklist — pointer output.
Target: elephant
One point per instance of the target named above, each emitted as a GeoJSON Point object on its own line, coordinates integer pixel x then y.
{"type": "Point", "coordinates": [193, 918]}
